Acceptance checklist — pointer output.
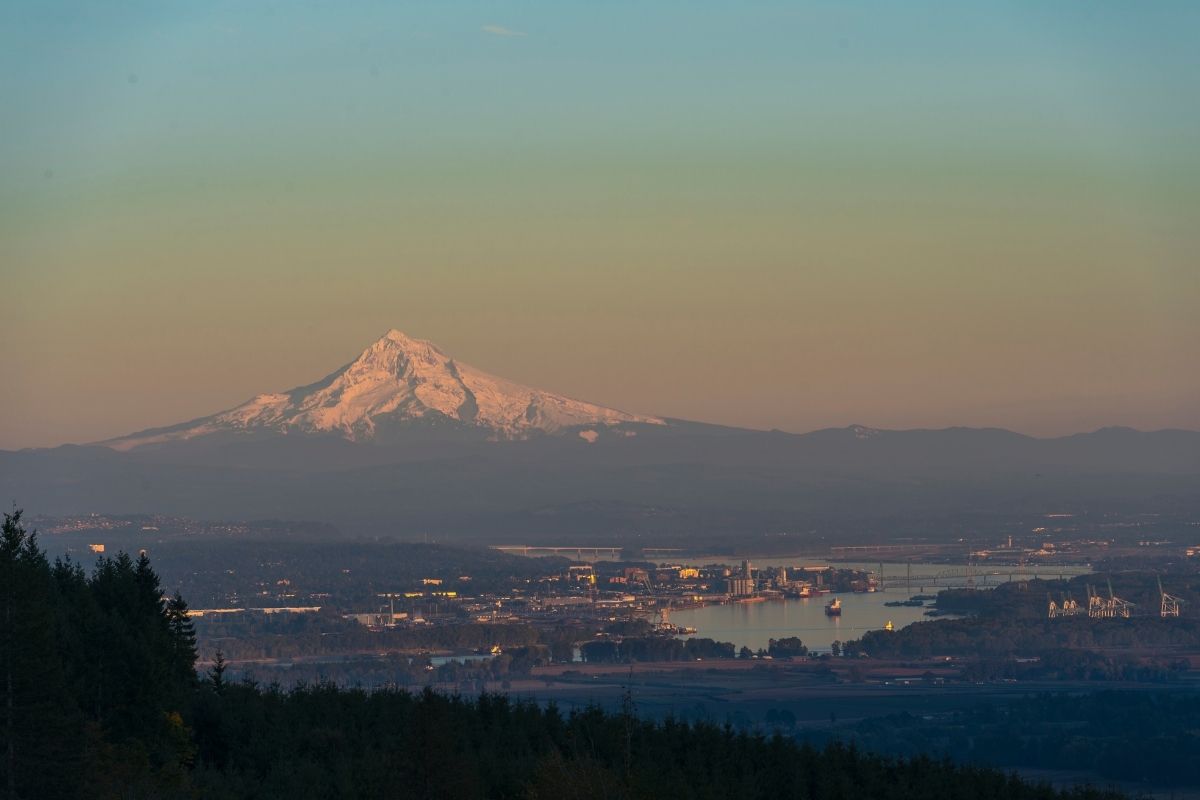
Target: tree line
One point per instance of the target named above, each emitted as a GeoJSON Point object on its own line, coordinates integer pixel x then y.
{"type": "Point", "coordinates": [101, 700]}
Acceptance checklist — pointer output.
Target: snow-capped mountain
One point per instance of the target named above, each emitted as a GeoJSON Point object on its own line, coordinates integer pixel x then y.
{"type": "Point", "coordinates": [441, 455]}
{"type": "Point", "coordinates": [400, 381]}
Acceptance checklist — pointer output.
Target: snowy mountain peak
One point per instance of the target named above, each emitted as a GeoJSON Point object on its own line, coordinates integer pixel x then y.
{"type": "Point", "coordinates": [399, 336]}
{"type": "Point", "coordinates": [399, 381]}
{"type": "Point", "coordinates": [399, 339]}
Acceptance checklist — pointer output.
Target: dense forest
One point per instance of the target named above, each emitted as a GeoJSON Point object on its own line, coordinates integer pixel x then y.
{"type": "Point", "coordinates": [101, 700]}
{"type": "Point", "coordinates": [1119, 735]}
{"type": "Point", "coordinates": [653, 648]}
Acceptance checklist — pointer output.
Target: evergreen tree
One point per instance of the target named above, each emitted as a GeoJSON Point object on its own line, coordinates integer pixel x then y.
{"type": "Point", "coordinates": [39, 728]}
{"type": "Point", "coordinates": [216, 673]}
{"type": "Point", "coordinates": [183, 639]}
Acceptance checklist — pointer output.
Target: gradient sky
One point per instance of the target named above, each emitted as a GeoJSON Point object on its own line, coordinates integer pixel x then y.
{"type": "Point", "coordinates": [793, 215]}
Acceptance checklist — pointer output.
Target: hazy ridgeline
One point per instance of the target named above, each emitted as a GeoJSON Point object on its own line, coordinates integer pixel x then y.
{"type": "Point", "coordinates": [686, 482]}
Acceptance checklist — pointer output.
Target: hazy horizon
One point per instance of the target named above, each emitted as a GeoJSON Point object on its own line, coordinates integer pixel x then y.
{"type": "Point", "coordinates": [792, 216]}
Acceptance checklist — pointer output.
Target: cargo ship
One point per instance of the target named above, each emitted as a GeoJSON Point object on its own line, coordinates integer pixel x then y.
{"type": "Point", "coordinates": [834, 607]}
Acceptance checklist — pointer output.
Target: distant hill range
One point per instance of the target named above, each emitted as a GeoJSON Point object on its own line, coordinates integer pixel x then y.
{"type": "Point", "coordinates": [405, 439]}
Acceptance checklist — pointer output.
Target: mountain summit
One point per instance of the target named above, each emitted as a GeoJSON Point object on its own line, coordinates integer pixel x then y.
{"type": "Point", "coordinates": [399, 382]}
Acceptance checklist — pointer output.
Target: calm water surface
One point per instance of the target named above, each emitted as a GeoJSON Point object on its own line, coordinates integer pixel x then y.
{"type": "Point", "coordinates": [753, 624]}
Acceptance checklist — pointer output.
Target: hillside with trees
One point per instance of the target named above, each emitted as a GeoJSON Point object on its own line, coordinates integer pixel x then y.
{"type": "Point", "coordinates": [101, 700]}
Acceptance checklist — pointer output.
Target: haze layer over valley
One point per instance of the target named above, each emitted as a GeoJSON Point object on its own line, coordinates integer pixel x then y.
{"type": "Point", "coordinates": [404, 440]}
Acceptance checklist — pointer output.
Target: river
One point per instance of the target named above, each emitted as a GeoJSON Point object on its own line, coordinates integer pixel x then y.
{"type": "Point", "coordinates": [753, 624]}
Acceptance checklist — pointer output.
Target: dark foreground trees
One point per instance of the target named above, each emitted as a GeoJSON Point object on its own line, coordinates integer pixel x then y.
{"type": "Point", "coordinates": [98, 673]}
{"type": "Point", "coordinates": [324, 742]}
{"type": "Point", "coordinates": [100, 700]}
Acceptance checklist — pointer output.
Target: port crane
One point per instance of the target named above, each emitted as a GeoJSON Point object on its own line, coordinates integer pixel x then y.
{"type": "Point", "coordinates": [1069, 607]}
{"type": "Point", "coordinates": [1169, 605]}
{"type": "Point", "coordinates": [1111, 608]}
